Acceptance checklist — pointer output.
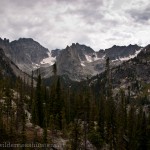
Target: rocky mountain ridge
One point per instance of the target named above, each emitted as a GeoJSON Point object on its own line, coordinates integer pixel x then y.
{"type": "Point", "coordinates": [76, 61]}
{"type": "Point", "coordinates": [25, 53]}
{"type": "Point", "coordinates": [132, 75]}
{"type": "Point", "coordinates": [79, 61]}
{"type": "Point", "coordinates": [10, 70]}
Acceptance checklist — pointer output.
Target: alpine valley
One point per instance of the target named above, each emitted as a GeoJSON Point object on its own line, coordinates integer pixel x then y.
{"type": "Point", "coordinates": [74, 98]}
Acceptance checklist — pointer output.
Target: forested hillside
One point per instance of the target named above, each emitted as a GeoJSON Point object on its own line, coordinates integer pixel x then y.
{"type": "Point", "coordinates": [69, 118]}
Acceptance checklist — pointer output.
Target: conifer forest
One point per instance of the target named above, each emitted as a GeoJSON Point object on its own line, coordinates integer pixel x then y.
{"type": "Point", "coordinates": [73, 116]}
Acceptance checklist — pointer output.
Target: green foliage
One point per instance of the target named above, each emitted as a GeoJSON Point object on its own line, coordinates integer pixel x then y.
{"type": "Point", "coordinates": [75, 135]}
{"type": "Point", "coordinates": [95, 138]}
{"type": "Point", "coordinates": [37, 112]}
{"type": "Point", "coordinates": [80, 114]}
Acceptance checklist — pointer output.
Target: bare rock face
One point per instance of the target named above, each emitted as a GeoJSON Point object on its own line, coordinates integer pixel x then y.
{"type": "Point", "coordinates": [136, 69]}
{"type": "Point", "coordinates": [55, 53]}
{"type": "Point", "coordinates": [76, 61]}
{"type": "Point", "coordinates": [28, 51]}
{"type": "Point", "coordinates": [25, 53]}
{"type": "Point", "coordinates": [116, 52]}
{"type": "Point", "coordinates": [79, 61]}
{"type": "Point", "coordinates": [5, 65]}
{"type": "Point", "coordinates": [5, 45]}
{"type": "Point", "coordinates": [9, 69]}
{"type": "Point", "coordinates": [134, 73]}
{"type": "Point", "coordinates": [68, 62]}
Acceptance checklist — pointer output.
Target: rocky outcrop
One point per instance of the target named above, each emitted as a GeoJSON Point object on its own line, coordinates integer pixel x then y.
{"type": "Point", "coordinates": [117, 52]}
{"type": "Point", "coordinates": [79, 61]}
{"type": "Point", "coordinates": [132, 73]}
{"type": "Point", "coordinates": [28, 51]}
{"type": "Point", "coordinates": [76, 61]}
{"type": "Point", "coordinates": [68, 62]}
{"type": "Point", "coordinates": [25, 53]}
{"type": "Point", "coordinates": [55, 53]}
{"type": "Point", "coordinates": [9, 69]}
{"type": "Point", "coordinates": [5, 65]}
{"type": "Point", "coordinates": [136, 68]}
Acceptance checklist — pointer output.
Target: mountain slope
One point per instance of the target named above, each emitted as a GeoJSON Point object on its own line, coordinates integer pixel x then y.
{"type": "Point", "coordinates": [138, 67]}
{"type": "Point", "coordinates": [26, 53]}
{"type": "Point", "coordinates": [9, 69]}
{"type": "Point", "coordinates": [133, 75]}
{"type": "Point", "coordinates": [76, 61]}
{"type": "Point", "coordinates": [119, 52]}
{"type": "Point", "coordinates": [79, 61]}
{"type": "Point", "coordinates": [6, 66]}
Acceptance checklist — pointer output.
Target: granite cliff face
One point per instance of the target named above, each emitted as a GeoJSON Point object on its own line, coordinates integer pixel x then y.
{"type": "Point", "coordinates": [76, 61]}
{"type": "Point", "coordinates": [137, 68]}
{"type": "Point", "coordinates": [117, 52]}
{"type": "Point", "coordinates": [9, 69]}
{"type": "Point", "coordinates": [5, 65]}
{"type": "Point", "coordinates": [25, 53]}
{"type": "Point", "coordinates": [133, 74]}
{"type": "Point", "coordinates": [28, 52]}
{"type": "Point", "coordinates": [79, 61]}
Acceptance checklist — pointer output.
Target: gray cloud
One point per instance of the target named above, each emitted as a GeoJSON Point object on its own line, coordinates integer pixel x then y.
{"type": "Point", "coordinates": [140, 15]}
{"type": "Point", "coordinates": [140, 11]}
{"type": "Point", "coordinates": [57, 23]}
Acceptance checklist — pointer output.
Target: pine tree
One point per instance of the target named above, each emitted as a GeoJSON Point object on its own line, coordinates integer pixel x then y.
{"type": "Point", "coordinates": [31, 92]}
{"type": "Point", "coordinates": [55, 69]}
{"type": "Point", "coordinates": [64, 122]}
{"type": "Point", "coordinates": [131, 128]}
{"type": "Point", "coordinates": [57, 104]}
{"type": "Point", "coordinates": [1, 124]}
{"type": "Point", "coordinates": [75, 136]}
{"type": "Point", "coordinates": [22, 112]}
{"type": "Point", "coordinates": [110, 110]}
{"type": "Point", "coordinates": [143, 138]}
{"type": "Point", "coordinates": [121, 122]}
{"type": "Point", "coordinates": [101, 115]}
{"type": "Point", "coordinates": [45, 124]}
{"type": "Point", "coordinates": [38, 104]}
{"type": "Point", "coordinates": [8, 100]}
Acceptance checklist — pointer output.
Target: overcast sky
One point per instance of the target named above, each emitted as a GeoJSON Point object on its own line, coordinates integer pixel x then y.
{"type": "Point", "coordinates": [58, 23]}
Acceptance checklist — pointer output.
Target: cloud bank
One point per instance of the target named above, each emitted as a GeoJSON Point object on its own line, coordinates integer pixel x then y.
{"type": "Point", "coordinates": [57, 23]}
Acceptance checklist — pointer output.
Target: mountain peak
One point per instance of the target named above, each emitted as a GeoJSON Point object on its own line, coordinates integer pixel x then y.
{"type": "Point", "coordinates": [67, 47]}
{"type": "Point", "coordinates": [114, 46]}
{"type": "Point", "coordinates": [25, 39]}
{"type": "Point", "coordinates": [73, 44]}
{"type": "Point", "coordinates": [76, 60]}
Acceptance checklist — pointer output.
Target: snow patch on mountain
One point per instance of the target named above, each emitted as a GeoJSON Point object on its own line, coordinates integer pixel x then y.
{"type": "Point", "coordinates": [92, 58]}
{"type": "Point", "coordinates": [104, 57]}
{"type": "Point", "coordinates": [95, 57]}
{"type": "Point", "coordinates": [49, 60]}
{"type": "Point", "coordinates": [82, 63]}
{"type": "Point", "coordinates": [130, 56]}
{"type": "Point", "coordinates": [88, 58]}
{"type": "Point", "coordinates": [35, 66]}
